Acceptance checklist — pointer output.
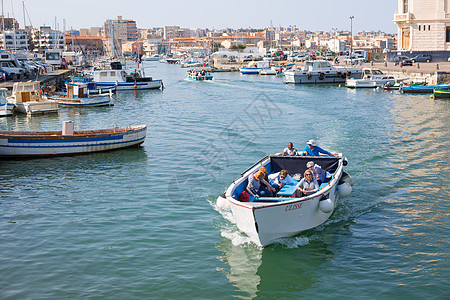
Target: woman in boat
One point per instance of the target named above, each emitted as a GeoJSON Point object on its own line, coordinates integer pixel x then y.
{"type": "Point", "coordinates": [267, 188]}
{"type": "Point", "coordinates": [254, 185]}
{"type": "Point", "coordinates": [308, 185]}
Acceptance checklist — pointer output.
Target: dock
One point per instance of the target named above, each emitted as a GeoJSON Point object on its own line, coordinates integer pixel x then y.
{"type": "Point", "coordinates": [52, 78]}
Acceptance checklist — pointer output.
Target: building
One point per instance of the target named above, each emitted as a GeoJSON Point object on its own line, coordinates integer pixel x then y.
{"type": "Point", "coordinates": [123, 30]}
{"type": "Point", "coordinates": [175, 32]}
{"type": "Point", "coordinates": [423, 25]}
{"type": "Point", "coordinates": [14, 40]}
{"type": "Point", "coordinates": [90, 46]}
{"type": "Point", "coordinates": [8, 23]}
{"type": "Point", "coordinates": [45, 38]}
{"type": "Point", "coordinates": [132, 48]}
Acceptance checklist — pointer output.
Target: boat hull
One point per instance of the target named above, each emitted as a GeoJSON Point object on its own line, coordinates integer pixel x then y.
{"type": "Point", "coordinates": [200, 78]}
{"type": "Point", "coordinates": [249, 70]}
{"type": "Point", "coordinates": [303, 77]}
{"type": "Point", "coordinates": [266, 222]}
{"type": "Point", "coordinates": [122, 86]}
{"type": "Point", "coordinates": [92, 101]}
{"type": "Point", "coordinates": [6, 109]}
{"type": "Point", "coordinates": [35, 144]}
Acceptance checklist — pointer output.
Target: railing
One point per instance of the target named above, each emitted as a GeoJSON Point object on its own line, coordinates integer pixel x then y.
{"type": "Point", "coordinates": [402, 17]}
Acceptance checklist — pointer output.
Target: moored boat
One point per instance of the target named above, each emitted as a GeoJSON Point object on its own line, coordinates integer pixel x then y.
{"type": "Point", "coordinates": [6, 108]}
{"type": "Point", "coordinates": [320, 71]}
{"type": "Point", "coordinates": [406, 88]}
{"type": "Point", "coordinates": [266, 219]}
{"type": "Point", "coordinates": [372, 78]}
{"type": "Point", "coordinates": [78, 95]}
{"type": "Point", "coordinates": [15, 144]}
{"type": "Point", "coordinates": [442, 92]}
{"type": "Point", "coordinates": [254, 67]}
{"type": "Point", "coordinates": [28, 99]}
{"type": "Point", "coordinates": [133, 79]}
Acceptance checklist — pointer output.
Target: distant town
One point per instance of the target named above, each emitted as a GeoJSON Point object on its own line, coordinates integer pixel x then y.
{"type": "Point", "coordinates": [122, 37]}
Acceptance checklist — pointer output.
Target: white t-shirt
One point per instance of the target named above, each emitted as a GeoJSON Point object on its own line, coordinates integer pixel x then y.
{"type": "Point", "coordinates": [275, 178]}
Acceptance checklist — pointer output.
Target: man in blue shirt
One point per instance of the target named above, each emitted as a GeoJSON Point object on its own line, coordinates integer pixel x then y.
{"type": "Point", "coordinates": [313, 150]}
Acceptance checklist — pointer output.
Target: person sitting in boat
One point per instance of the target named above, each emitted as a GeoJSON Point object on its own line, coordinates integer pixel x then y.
{"type": "Point", "coordinates": [290, 150]}
{"type": "Point", "coordinates": [320, 174]}
{"type": "Point", "coordinates": [267, 186]}
{"type": "Point", "coordinates": [280, 179]}
{"type": "Point", "coordinates": [308, 185]}
{"type": "Point", "coordinates": [313, 150]}
{"type": "Point", "coordinates": [254, 185]}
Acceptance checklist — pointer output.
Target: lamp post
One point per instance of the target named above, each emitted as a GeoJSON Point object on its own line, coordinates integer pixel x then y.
{"type": "Point", "coordinates": [351, 36]}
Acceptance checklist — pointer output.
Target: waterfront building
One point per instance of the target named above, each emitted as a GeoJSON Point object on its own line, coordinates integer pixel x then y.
{"type": "Point", "coordinates": [46, 38]}
{"type": "Point", "coordinates": [14, 40]}
{"type": "Point", "coordinates": [132, 48]}
{"type": "Point", "coordinates": [423, 25]}
{"type": "Point", "coordinates": [120, 29]}
{"type": "Point", "coordinates": [8, 23]}
{"type": "Point", "coordinates": [91, 46]}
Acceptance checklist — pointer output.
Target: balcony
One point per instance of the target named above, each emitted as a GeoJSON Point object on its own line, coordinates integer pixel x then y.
{"type": "Point", "coordinates": [399, 18]}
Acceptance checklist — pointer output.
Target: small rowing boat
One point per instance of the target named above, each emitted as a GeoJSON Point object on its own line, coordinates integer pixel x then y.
{"type": "Point", "coordinates": [16, 144]}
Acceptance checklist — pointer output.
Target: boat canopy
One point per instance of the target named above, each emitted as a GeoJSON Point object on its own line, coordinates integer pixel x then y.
{"type": "Point", "coordinates": [25, 86]}
{"type": "Point", "coordinates": [297, 164]}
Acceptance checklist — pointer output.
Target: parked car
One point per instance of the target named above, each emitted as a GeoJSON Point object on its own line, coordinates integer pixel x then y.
{"type": "Point", "coordinates": [4, 75]}
{"type": "Point", "coordinates": [403, 61]}
{"type": "Point", "coordinates": [421, 58]}
{"type": "Point", "coordinates": [15, 72]}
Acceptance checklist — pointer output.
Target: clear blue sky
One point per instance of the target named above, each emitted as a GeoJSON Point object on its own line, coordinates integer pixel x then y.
{"type": "Point", "coordinates": [309, 15]}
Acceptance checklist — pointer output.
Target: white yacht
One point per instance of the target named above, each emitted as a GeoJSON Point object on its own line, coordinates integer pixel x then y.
{"type": "Point", "coordinates": [321, 71]}
{"type": "Point", "coordinates": [28, 99]}
{"type": "Point", "coordinates": [372, 78]}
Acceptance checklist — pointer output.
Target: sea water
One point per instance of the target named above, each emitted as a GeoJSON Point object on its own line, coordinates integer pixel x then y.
{"type": "Point", "coordinates": [143, 223]}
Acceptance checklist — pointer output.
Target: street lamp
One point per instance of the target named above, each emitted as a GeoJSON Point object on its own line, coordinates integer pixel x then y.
{"type": "Point", "coordinates": [351, 36]}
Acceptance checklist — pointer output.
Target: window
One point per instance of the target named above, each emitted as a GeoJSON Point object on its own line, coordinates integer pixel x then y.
{"type": "Point", "coordinates": [419, 27]}
{"type": "Point", "coordinates": [447, 35]}
{"type": "Point", "coordinates": [405, 6]}
{"type": "Point", "coordinates": [103, 74]}
{"type": "Point", "coordinates": [429, 27]}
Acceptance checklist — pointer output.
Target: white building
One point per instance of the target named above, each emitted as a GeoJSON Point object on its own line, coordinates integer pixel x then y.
{"type": "Point", "coordinates": [423, 25]}
{"type": "Point", "coordinates": [14, 40]}
{"type": "Point", "coordinates": [45, 38]}
{"type": "Point", "coordinates": [336, 45]}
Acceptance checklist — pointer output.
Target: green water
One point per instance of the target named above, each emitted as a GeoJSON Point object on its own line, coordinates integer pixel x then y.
{"type": "Point", "coordinates": [143, 223]}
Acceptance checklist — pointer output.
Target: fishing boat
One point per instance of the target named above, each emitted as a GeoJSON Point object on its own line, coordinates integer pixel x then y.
{"type": "Point", "coordinates": [422, 88]}
{"type": "Point", "coordinates": [6, 108]}
{"type": "Point", "coordinates": [372, 78]}
{"type": "Point", "coordinates": [442, 92]}
{"type": "Point", "coordinates": [28, 99]}
{"type": "Point", "coordinates": [268, 72]}
{"type": "Point", "coordinates": [132, 79]}
{"type": "Point", "coordinates": [15, 144]}
{"type": "Point", "coordinates": [320, 71]}
{"type": "Point", "coordinates": [266, 219]}
{"type": "Point", "coordinates": [78, 96]}
{"type": "Point", "coordinates": [154, 57]}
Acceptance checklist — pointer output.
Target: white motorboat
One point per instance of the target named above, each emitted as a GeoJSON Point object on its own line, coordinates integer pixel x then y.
{"type": "Point", "coordinates": [372, 78]}
{"type": "Point", "coordinates": [321, 71]}
{"type": "Point", "coordinates": [267, 219]}
{"type": "Point", "coordinates": [132, 79]}
{"type": "Point", "coordinates": [254, 67]}
{"type": "Point", "coordinates": [154, 57]}
{"type": "Point", "coordinates": [6, 108]}
{"type": "Point", "coordinates": [28, 99]}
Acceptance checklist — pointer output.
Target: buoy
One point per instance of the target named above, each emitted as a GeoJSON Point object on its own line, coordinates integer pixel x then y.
{"type": "Point", "coordinates": [347, 178]}
{"type": "Point", "coordinates": [222, 203]}
{"type": "Point", "coordinates": [326, 205]}
{"type": "Point", "coordinates": [344, 189]}
{"type": "Point", "coordinates": [135, 86]}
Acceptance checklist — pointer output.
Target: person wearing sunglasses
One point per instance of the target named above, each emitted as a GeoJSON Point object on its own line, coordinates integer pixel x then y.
{"type": "Point", "coordinates": [308, 185]}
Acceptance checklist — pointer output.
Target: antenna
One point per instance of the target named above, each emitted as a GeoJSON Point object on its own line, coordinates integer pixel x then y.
{"type": "Point", "coordinates": [23, 8]}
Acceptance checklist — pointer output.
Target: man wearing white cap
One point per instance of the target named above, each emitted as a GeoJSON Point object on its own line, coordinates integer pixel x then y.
{"type": "Point", "coordinates": [313, 150]}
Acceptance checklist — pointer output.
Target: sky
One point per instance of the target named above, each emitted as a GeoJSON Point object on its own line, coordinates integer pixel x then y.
{"type": "Point", "coordinates": [311, 15]}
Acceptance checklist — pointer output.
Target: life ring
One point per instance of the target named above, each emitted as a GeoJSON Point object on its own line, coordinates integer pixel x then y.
{"type": "Point", "coordinates": [338, 74]}
{"type": "Point", "coordinates": [349, 73]}
{"type": "Point", "coordinates": [308, 76]}
{"type": "Point", "coordinates": [343, 75]}
{"type": "Point", "coordinates": [321, 76]}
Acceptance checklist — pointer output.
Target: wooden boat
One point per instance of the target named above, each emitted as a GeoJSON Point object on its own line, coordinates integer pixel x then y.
{"type": "Point", "coordinates": [267, 219]}
{"type": "Point", "coordinates": [441, 93]}
{"type": "Point", "coordinates": [15, 144]}
{"type": "Point", "coordinates": [421, 88]}
{"type": "Point", "coordinates": [6, 108]}
{"type": "Point", "coordinates": [78, 95]}
{"type": "Point", "coordinates": [28, 99]}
